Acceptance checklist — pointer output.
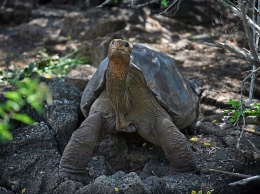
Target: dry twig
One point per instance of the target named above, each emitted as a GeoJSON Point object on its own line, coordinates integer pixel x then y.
{"type": "Point", "coordinates": [246, 178]}
{"type": "Point", "coordinates": [231, 173]}
{"type": "Point", "coordinates": [138, 6]}
{"type": "Point", "coordinates": [245, 181]}
{"type": "Point", "coordinates": [105, 3]}
{"type": "Point", "coordinates": [174, 6]}
{"type": "Point", "coordinates": [239, 14]}
{"type": "Point", "coordinates": [245, 20]}
{"type": "Point", "coordinates": [257, 152]}
{"type": "Point", "coordinates": [239, 53]}
{"type": "Point", "coordinates": [241, 105]}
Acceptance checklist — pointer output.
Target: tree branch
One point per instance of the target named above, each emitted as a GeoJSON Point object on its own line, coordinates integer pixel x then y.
{"type": "Point", "coordinates": [257, 152]}
{"type": "Point", "coordinates": [247, 31]}
{"type": "Point", "coordinates": [247, 178]}
{"type": "Point", "coordinates": [231, 173]}
{"type": "Point", "coordinates": [166, 11]}
{"type": "Point", "coordinates": [138, 6]}
{"type": "Point", "coordinates": [239, 14]}
{"type": "Point", "coordinates": [256, 10]}
{"type": "Point", "coordinates": [245, 181]}
{"type": "Point", "coordinates": [239, 53]}
{"type": "Point", "coordinates": [105, 3]}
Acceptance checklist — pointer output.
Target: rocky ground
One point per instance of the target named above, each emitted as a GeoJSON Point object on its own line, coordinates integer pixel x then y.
{"type": "Point", "coordinates": [126, 163]}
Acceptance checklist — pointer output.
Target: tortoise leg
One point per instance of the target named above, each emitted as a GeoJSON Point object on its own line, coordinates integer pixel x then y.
{"type": "Point", "coordinates": [175, 146]}
{"type": "Point", "coordinates": [163, 132]}
{"type": "Point", "coordinates": [80, 148]}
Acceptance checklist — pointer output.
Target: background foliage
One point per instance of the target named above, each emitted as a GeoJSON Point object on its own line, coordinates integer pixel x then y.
{"type": "Point", "coordinates": [28, 89]}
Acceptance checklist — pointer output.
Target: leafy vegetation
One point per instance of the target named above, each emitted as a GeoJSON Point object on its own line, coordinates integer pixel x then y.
{"type": "Point", "coordinates": [164, 3]}
{"type": "Point", "coordinates": [45, 65]}
{"type": "Point", "coordinates": [236, 112]}
{"type": "Point", "coordinates": [29, 91]}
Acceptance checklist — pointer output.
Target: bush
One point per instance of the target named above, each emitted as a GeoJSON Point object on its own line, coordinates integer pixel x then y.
{"type": "Point", "coordinates": [28, 92]}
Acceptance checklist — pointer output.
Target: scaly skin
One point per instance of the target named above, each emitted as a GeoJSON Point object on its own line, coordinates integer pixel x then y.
{"type": "Point", "coordinates": [119, 53]}
{"type": "Point", "coordinates": [125, 105]}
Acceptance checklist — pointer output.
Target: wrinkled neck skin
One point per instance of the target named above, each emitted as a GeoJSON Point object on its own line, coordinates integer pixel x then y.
{"type": "Point", "coordinates": [116, 87]}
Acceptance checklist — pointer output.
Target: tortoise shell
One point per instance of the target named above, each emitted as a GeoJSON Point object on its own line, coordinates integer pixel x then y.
{"type": "Point", "coordinates": [175, 94]}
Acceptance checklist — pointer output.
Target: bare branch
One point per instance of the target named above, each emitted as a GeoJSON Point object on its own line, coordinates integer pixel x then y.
{"type": "Point", "coordinates": [239, 14]}
{"type": "Point", "coordinates": [235, 28]}
{"type": "Point", "coordinates": [231, 173]}
{"type": "Point", "coordinates": [253, 145]}
{"type": "Point", "coordinates": [257, 152]}
{"type": "Point", "coordinates": [142, 5]}
{"type": "Point", "coordinates": [247, 178]}
{"type": "Point", "coordinates": [171, 7]}
{"type": "Point", "coordinates": [239, 53]}
{"type": "Point", "coordinates": [256, 10]}
{"type": "Point", "coordinates": [105, 3]}
{"type": "Point", "coordinates": [245, 181]}
{"type": "Point", "coordinates": [252, 83]}
{"type": "Point", "coordinates": [247, 30]}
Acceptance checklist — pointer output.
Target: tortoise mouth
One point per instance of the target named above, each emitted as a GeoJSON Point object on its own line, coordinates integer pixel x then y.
{"type": "Point", "coordinates": [118, 51]}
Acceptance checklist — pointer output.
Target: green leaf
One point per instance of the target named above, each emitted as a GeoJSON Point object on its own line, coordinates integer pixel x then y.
{"type": "Point", "coordinates": [233, 119]}
{"type": "Point", "coordinates": [4, 132]}
{"type": "Point", "coordinates": [37, 107]}
{"type": "Point", "coordinates": [23, 118]}
{"type": "Point", "coordinates": [12, 105]}
{"type": "Point", "coordinates": [164, 3]}
{"type": "Point", "coordinates": [13, 95]}
{"type": "Point", "coordinates": [227, 111]}
{"type": "Point", "coordinates": [257, 106]}
{"type": "Point", "coordinates": [2, 111]}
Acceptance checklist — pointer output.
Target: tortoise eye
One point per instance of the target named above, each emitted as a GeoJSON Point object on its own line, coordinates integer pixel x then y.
{"type": "Point", "coordinates": [126, 44]}
{"type": "Point", "coordinates": [113, 42]}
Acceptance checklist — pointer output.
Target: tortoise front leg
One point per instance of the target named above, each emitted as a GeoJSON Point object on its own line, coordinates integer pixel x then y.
{"type": "Point", "coordinates": [161, 131]}
{"type": "Point", "coordinates": [80, 148]}
{"type": "Point", "coordinates": [175, 146]}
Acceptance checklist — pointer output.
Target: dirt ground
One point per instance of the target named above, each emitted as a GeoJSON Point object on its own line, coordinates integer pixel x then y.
{"type": "Point", "coordinates": [219, 72]}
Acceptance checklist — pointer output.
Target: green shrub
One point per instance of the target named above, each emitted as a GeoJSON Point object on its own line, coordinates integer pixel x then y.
{"type": "Point", "coordinates": [235, 110]}
{"type": "Point", "coordinates": [27, 92]}
{"type": "Point", "coordinates": [45, 65]}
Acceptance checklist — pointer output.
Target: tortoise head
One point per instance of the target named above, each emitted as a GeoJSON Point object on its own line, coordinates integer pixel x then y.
{"type": "Point", "coordinates": [120, 48]}
{"type": "Point", "coordinates": [119, 53]}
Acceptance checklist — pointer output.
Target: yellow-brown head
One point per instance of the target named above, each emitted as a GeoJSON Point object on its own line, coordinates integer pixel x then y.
{"type": "Point", "coordinates": [120, 48]}
{"type": "Point", "coordinates": [119, 53]}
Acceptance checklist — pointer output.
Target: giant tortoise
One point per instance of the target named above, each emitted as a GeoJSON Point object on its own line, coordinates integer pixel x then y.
{"type": "Point", "coordinates": [135, 89]}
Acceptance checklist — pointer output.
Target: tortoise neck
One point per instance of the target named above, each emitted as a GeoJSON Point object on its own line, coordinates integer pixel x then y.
{"type": "Point", "coordinates": [116, 82]}
{"type": "Point", "coordinates": [118, 68]}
